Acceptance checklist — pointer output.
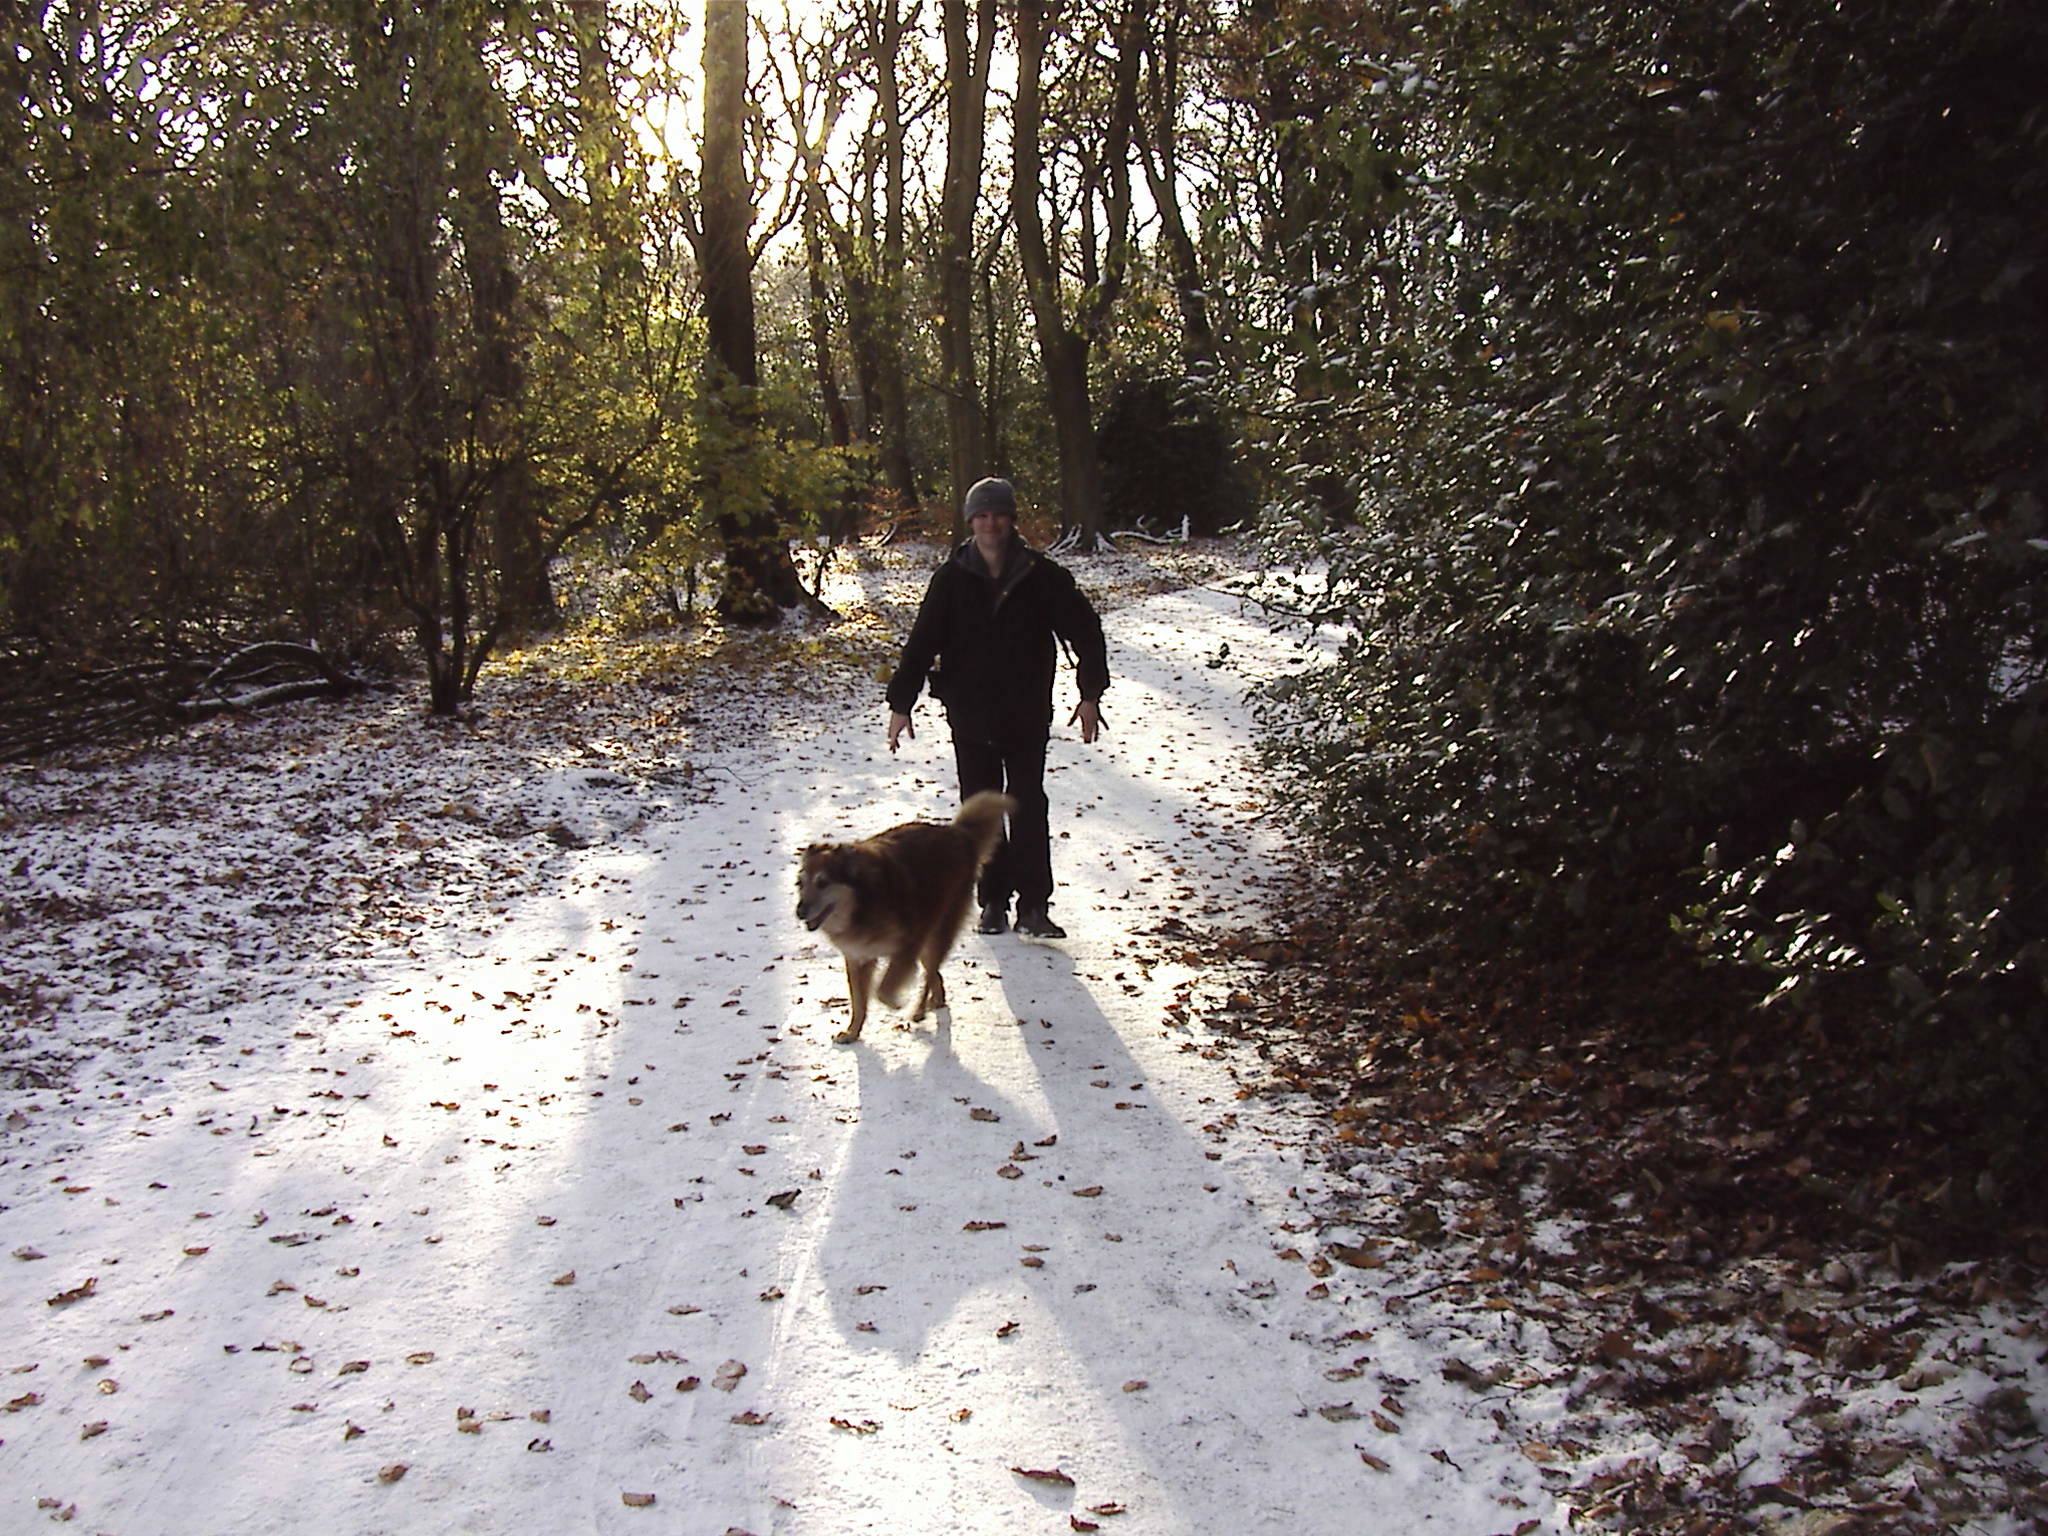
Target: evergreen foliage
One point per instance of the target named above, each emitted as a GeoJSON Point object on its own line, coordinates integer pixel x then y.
{"type": "Point", "coordinates": [1664, 385]}
{"type": "Point", "coordinates": [1167, 455]}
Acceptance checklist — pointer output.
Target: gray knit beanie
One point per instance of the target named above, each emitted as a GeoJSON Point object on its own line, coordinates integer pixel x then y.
{"type": "Point", "coordinates": [990, 496]}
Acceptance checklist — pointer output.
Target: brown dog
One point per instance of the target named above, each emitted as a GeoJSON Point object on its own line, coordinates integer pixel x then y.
{"type": "Point", "coordinates": [899, 896]}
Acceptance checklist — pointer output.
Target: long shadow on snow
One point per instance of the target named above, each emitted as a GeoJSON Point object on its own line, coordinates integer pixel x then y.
{"type": "Point", "coordinates": [1121, 1307]}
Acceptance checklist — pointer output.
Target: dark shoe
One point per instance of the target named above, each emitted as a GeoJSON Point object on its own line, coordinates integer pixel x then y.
{"type": "Point", "coordinates": [995, 918]}
{"type": "Point", "coordinates": [1034, 924]}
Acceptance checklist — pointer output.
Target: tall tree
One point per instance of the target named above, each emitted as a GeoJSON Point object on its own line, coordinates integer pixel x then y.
{"type": "Point", "coordinates": [1101, 187]}
{"type": "Point", "coordinates": [967, 65]}
{"type": "Point", "coordinates": [898, 474]}
{"type": "Point", "coordinates": [481, 162]}
{"type": "Point", "coordinates": [760, 577]}
{"type": "Point", "coordinates": [1159, 151]}
{"type": "Point", "coordinates": [423, 445]}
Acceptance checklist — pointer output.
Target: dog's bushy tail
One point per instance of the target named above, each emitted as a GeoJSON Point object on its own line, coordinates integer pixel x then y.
{"type": "Point", "coordinates": [982, 819]}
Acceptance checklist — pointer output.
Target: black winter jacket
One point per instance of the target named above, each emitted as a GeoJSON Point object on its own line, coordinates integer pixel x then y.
{"type": "Point", "coordinates": [994, 645]}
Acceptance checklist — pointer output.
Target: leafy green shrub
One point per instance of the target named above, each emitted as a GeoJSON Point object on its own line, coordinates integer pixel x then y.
{"type": "Point", "coordinates": [1166, 456]}
{"type": "Point", "coordinates": [1668, 440]}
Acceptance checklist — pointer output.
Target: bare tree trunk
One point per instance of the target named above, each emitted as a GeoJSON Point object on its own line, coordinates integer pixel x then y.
{"type": "Point", "coordinates": [1063, 352]}
{"type": "Point", "coordinates": [1064, 347]}
{"type": "Point", "coordinates": [846, 519]}
{"type": "Point", "coordinates": [424, 499]}
{"type": "Point", "coordinates": [967, 66]}
{"type": "Point", "coordinates": [601, 146]}
{"type": "Point", "coordinates": [816, 219]}
{"type": "Point", "coordinates": [728, 209]}
{"type": "Point", "coordinates": [760, 578]}
{"type": "Point", "coordinates": [818, 313]}
{"type": "Point", "coordinates": [524, 598]}
{"type": "Point", "coordinates": [897, 472]}
{"type": "Point", "coordinates": [1159, 151]}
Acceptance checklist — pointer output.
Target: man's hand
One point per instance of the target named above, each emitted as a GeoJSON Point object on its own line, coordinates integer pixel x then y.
{"type": "Point", "coordinates": [898, 724]}
{"type": "Point", "coordinates": [1089, 713]}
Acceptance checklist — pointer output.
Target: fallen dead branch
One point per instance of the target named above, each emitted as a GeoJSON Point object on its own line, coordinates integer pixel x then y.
{"type": "Point", "coordinates": [48, 706]}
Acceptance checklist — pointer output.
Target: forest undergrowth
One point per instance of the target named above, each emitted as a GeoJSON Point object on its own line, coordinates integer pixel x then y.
{"type": "Point", "coordinates": [1743, 1193]}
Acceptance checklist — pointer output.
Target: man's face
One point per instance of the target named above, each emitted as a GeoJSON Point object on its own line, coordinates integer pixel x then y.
{"type": "Point", "coordinates": [991, 526]}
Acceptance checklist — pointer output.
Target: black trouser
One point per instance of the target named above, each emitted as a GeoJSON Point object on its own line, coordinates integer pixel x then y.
{"type": "Point", "coordinates": [1014, 762]}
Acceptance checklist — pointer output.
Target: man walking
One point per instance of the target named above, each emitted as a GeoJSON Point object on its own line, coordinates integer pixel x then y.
{"type": "Point", "coordinates": [990, 620]}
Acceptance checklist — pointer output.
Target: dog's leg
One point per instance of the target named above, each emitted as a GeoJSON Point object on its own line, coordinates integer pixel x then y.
{"type": "Point", "coordinates": [932, 956]}
{"type": "Point", "coordinates": [860, 975]}
{"type": "Point", "coordinates": [933, 996]}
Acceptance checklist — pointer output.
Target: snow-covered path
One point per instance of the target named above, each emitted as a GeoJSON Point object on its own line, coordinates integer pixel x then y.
{"type": "Point", "coordinates": [513, 1210]}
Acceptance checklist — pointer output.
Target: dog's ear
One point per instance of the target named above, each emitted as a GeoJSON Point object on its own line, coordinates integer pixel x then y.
{"type": "Point", "coordinates": [848, 867]}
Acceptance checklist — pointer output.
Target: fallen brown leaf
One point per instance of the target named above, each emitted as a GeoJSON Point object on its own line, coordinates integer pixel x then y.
{"type": "Point", "coordinates": [392, 1473]}
{"type": "Point", "coordinates": [750, 1418]}
{"type": "Point", "coordinates": [76, 1293]}
{"type": "Point", "coordinates": [1089, 1193]}
{"type": "Point", "coordinates": [636, 1500]}
{"type": "Point", "coordinates": [1357, 1258]}
{"type": "Point", "coordinates": [568, 1279]}
{"type": "Point", "coordinates": [1051, 1475]}
{"type": "Point", "coordinates": [638, 1392]}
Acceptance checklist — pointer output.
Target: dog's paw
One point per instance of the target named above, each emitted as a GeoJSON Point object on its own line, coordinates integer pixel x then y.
{"type": "Point", "coordinates": [846, 1036]}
